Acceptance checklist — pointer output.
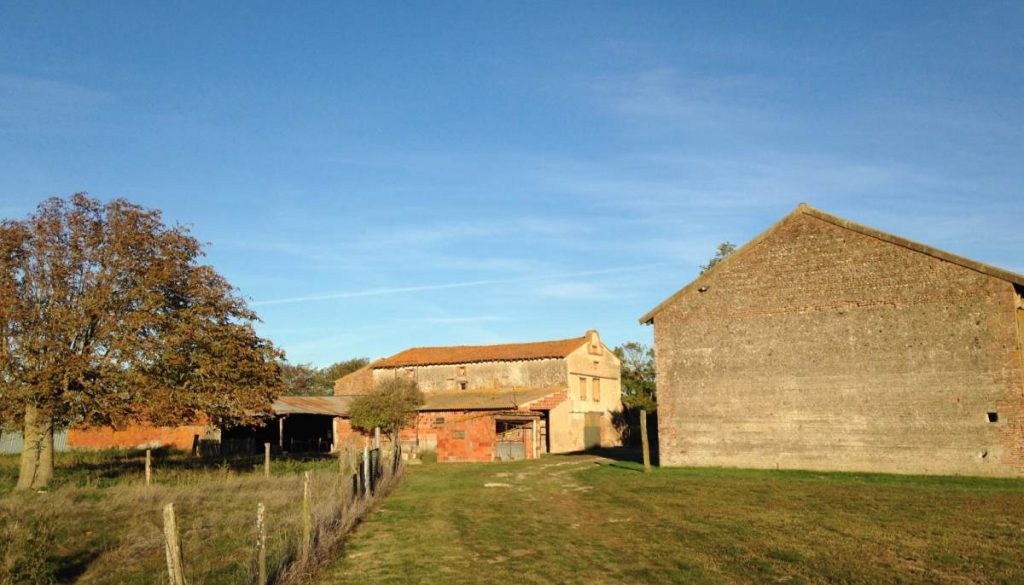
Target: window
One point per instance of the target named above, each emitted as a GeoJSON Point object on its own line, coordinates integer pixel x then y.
{"type": "Point", "coordinates": [993, 417]}
{"type": "Point", "coordinates": [463, 385]}
{"type": "Point", "coordinates": [439, 420]}
{"type": "Point", "coordinates": [583, 388]}
{"type": "Point", "coordinates": [595, 390]}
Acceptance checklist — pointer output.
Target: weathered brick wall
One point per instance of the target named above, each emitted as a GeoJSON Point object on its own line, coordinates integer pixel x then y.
{"type": "Point", "coordinates": [358, 382]}
{"type": "Point", "coordinates": [454, 435]}
{"type": "Point", "coordinates": [504, 374]}
{"type": "Point", "coordinates": [823, 348]}
{"type": "Point", "coordinates": [135, 437]}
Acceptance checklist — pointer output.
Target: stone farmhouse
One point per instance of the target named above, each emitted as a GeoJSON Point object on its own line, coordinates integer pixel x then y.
{"type": "Point", "coordinates": [498, 402]}
{"type": "Point", "coordinates": [824, 344]}
{"type": "Point", "coordinates": [482, 403]}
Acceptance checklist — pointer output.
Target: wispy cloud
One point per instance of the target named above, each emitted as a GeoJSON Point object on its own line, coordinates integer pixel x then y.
{"type": "Point", "coordinates": [460, 320]}
{"type": "Point", "coordinates": [375, 292]}
{"type": "Point", "coordinates": [32, 102]}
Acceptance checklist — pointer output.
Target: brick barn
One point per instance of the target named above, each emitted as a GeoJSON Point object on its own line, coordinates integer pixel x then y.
{"type": "Point", "coordinates": [501, 402]}
{"type": "Point", "coordinates": [824, 344]}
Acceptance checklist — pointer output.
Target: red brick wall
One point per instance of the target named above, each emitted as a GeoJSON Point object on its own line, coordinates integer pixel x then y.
{"type": "Point", "coordinates": [454, 435]}
{"type": "Point", "coordinates": [549, 402]}
{"type": "Point", "coordinates": [823, 348]}
{"type": "Point", "coordinates": [134, 436]}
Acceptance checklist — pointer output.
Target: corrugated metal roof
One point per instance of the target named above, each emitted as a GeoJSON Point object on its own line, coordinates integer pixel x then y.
{"type": "Point", "coordinates": [328, 405]}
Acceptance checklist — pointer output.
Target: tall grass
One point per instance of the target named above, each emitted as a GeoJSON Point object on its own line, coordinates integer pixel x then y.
{"type": "Point", "coordinates": [102, 524]}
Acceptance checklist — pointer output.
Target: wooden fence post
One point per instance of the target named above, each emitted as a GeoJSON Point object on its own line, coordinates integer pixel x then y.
{"type": "Point", "coordinates": [175, 569]}
{"type": "Point", "coordinates": [366, 471]}
{"type": "Point", "coordinates": [261, 545]}
{"type": "Point", "coordinates": [266, 460]}
{"type": "Point", "coordinates": [376, 437]}
{"type": "Point", "coordinates": [644, 442]}
{"type": "Point", "coordinates": [149, 466]}
{"type": "Point", "coordinates": [307, 520]}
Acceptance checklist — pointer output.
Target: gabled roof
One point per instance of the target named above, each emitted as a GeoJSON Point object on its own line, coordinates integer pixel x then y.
{"type": "Point", "coordinates": [463, 354]}
{"type": "Point", "coordinates": [804, 209]}
{"type": "Point", "coordinates": [487, 399]}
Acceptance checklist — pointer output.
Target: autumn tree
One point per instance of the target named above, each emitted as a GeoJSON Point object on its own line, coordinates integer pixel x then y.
{"type": "Point", "coordinates": [326, 376]}
{"type": "Point", "coordinates": [108, 317]}
{"type": "Point", "coordinates": [300, 379]}
{"type": "Point", "coordinates": [309, 380]}
{"type": "Point", "coordinates": [721, 253]}
{"type": "Point", "coordinates": [637, 374]}
{"type": "Point", "coordinates": [390, 405]}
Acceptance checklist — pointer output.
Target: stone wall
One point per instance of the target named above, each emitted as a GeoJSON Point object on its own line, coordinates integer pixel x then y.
{"type": "Point", "coordinates": [823, 348]}
{"type": "Point", "coordinates": [504, 374]}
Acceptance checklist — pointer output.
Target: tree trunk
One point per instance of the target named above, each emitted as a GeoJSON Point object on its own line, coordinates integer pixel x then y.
{"type": "Point", "coordinates": [37, 452]}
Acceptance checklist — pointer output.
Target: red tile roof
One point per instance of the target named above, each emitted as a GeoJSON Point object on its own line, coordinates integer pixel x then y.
{"type": "Point", "coordinates": [463, 354]}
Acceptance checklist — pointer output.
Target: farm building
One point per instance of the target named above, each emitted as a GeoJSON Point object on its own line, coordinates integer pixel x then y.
{"type": "Point", "coordinates": [491, 402]}
{"type": "Point", "coordinates": [824, 344]}
{"type": "Point", "coordinates": [481, 403]}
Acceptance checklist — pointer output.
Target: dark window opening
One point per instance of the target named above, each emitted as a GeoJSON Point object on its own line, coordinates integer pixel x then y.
{"type": "Point", "coordinates": [439, 420]}
{"type": "Point", "coordinates": [463, 385]}
{"type": "Point", "coordinates": [993, 417]}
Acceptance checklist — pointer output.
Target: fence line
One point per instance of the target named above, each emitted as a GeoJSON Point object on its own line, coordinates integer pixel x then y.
{"type": "Point", "coordinates": [371, 482]}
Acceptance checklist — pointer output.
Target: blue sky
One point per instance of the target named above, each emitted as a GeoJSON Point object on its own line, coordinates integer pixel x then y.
{"type": "Point", "coordinates": [384, 175]}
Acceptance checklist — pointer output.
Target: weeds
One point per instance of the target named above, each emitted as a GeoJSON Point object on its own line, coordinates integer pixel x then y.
{"type": "Point", "coordinates": [102, 524]}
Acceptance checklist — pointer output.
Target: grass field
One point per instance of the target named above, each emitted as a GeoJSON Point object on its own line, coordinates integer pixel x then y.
{"type": "Point", "coordinates": [100, 523]}
{"type": "Point", "coordinates": [575, 519]}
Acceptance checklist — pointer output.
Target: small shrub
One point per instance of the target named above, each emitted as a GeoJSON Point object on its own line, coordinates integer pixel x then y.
{"type": "Point", "coordinates": [428, 456]}
{"type": "Point", "coordinates": [23, 551]}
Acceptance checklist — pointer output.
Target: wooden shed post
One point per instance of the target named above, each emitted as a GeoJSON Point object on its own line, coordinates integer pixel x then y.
{"type": "Point", "coordinates": [266, 460]}
{"type": "Point", "coordinates": [149, 466]}
{"type": "Point", "coordinates": [644, 442]}
{"type": "Point", "coordinates": [533, 444]}
{"type": "Point", "coordinates": [366, 471]}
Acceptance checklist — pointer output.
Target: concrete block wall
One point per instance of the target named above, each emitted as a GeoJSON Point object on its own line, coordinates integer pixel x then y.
{"type": "Point", "coordinates": [824, 348]}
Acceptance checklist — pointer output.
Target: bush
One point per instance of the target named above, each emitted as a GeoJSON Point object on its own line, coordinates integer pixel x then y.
{"type": "Point", "coordinates": [23, 551]}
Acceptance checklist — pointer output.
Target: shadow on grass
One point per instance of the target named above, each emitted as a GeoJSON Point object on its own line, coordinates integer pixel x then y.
{"type": "Point", "coordinates": [71, 567]}
{"type": "Point", "coordinates": [620, 455]}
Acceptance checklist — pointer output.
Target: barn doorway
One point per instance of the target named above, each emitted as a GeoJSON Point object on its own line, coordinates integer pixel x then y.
{"type": "Point", "coordinates": [592, 430]}
{"type": "Point", "coordinates": [511, 437]}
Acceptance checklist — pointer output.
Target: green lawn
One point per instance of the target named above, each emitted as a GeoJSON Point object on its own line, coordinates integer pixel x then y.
{"type": "Point", "coordinates": [578, 519]}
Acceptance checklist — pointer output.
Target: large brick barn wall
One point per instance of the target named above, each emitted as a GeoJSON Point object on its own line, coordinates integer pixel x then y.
{"type": "Point", "coordinates": [822, 347]}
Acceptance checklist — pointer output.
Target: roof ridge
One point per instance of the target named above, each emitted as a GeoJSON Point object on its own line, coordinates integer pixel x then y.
{"type": "Point", "coordinates": [456, 354]}
{"type": "Point", "coordinates": [805, 209]}
{"type": "Point", "coordinates": [975, 265]}
{"type": "Point", "coordinates": [494, 344]}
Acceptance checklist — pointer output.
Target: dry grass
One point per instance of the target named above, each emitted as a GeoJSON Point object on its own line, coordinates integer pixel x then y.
{"type": "Point", "coordinates": [568, 519]}
{"type": "Point", "coordinates": [102, 524]}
